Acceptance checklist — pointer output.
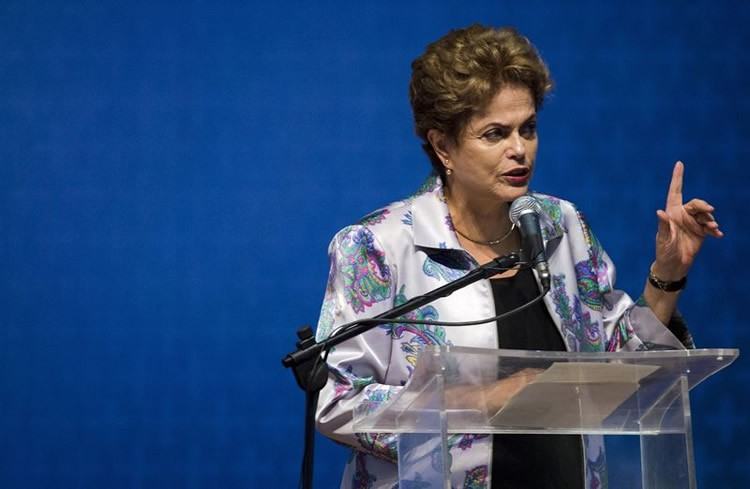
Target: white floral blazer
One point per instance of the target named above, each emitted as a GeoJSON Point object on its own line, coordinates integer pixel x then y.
{"type": "Point", "coordinates": [409, 248]}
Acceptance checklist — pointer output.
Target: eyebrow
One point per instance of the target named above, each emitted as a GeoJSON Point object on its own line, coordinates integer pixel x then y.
{"type": "Point", "coordinates": [504, 126]}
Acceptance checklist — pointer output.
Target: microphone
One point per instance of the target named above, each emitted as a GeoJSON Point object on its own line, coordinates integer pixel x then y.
{"type": "Point", "coordinates": [524, 213]}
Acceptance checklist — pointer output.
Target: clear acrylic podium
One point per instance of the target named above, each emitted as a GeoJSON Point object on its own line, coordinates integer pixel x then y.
{"type": "Point", "coordinates": [457, 390]}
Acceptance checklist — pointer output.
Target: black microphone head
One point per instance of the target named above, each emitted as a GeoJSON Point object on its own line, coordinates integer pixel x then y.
{"type": "Point", "coordinates": [523, 205]}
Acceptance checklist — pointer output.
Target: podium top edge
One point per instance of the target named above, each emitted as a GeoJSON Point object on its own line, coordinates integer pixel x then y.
{"type": "Point", "coordinates": [728, 354]}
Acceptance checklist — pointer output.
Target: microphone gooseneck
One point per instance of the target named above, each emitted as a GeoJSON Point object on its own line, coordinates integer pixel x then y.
{"type": "Point", "coordinates": [524, 213]}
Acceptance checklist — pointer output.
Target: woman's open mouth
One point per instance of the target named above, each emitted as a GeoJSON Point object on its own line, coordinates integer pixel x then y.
{"type": "Point", "coordinates": [518, 176]}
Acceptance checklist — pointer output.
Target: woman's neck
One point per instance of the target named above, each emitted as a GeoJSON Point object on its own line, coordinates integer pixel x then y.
{"type": "Point", "coordinates": [481, 220]}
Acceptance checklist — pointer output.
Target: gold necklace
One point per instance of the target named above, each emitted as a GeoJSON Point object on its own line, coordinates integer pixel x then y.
{"type": "Point", "coordinates": [487, 243]}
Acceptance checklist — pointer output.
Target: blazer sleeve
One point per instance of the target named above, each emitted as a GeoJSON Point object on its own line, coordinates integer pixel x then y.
{"type": "Point", "coordinates": [630, 325]}
{"type": "Point", "coordinates": [361, 284]}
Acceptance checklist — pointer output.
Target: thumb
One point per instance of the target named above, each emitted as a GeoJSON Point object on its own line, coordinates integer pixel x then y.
{"type": "Point", "coordinates": [665, 230]}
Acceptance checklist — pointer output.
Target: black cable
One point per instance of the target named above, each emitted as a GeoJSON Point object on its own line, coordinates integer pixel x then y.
{"type": "Point", "coordinates": [344, 327]}
{"type": "Point", "coordinates": [324, 357]}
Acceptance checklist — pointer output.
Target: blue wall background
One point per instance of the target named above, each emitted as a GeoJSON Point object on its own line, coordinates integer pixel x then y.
{"type": "Point", "coordinates": [171, 173]}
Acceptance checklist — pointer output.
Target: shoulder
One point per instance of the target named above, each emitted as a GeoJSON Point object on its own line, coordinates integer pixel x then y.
{"type": "Point", "coordinates": [380, 230]}
{"type": "Point", "coordinates": [572, 221]}
{"type": "Point", "coordinates": [391, 227]}
{"type": "Point", "coordinates": [557, 209]}
{"type": "Point", "coordinates": [567, 219]}
{"type": "Point", "coordinates": [560, 213]}
{"type": "Point", "coordinates": [398, 215]}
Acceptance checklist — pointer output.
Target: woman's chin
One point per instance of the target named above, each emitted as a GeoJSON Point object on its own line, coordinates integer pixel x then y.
{"type": "Point", "coordinates": [510, 194]}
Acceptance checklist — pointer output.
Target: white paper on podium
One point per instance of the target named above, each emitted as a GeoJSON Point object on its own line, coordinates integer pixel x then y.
{"type": "Point", "coordinates": [574, 394]}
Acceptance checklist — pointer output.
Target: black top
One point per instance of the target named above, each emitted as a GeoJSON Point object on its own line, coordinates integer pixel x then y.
{"type": "Point", "coordinates": [531, 461]}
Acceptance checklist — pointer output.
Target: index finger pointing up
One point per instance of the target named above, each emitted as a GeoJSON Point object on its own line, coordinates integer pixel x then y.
{"type": "Point", "coordinates": [674, 196]}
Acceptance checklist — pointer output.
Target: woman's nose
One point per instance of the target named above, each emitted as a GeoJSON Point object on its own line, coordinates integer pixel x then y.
{"type": "Point", "coordinates": [517, 148]}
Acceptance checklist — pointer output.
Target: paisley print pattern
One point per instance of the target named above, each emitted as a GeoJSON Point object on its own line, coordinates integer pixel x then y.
{"type": "Point", "coordinates": [551, 207]}
{"type": "Point", "coordinates": [383, 445]}
{"type": "Point", "coordinates": [441, 272]}
{"type": "Point", "coordinates": [588, 238]}
{"type": "Point", "coordinates": [375, 398]}
{"type": "Point", "coordinates": [552, 216]}
{"type": "Point", "coordinates": [463, 442]}
{"type": "Point", "coordinates": [476, 478]}
{"type": "Point", "coordinates": [621, 335]}
{"type": "Point", "coordinates": [418, 335]}
{"type": "Point", "coordinates": [345, 380]}
{"type": "Point", "coordinates": [325, 324]}
{"type": "Point", "coordinates": [590, 275]}
{"type": "Point", "coordinates": [375, 217]}
{"type": "Point", "coordinates": [588, 286]}
{"type": "Point", "coordinates": [366, 275]}
{"type": "Point", "coordinates": [431, 184]}
{"type": "Point", "coordinates": [380, 444]}
{"type": "Point", "coordinates": [579, 331]}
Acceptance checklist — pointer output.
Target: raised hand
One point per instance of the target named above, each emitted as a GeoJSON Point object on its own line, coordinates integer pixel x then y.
{"type": "Point", "coordinates": [682, 229]}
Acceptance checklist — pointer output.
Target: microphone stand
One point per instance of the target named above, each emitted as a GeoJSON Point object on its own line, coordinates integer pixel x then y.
{"type": "Point", "coordinates": [312, 374]}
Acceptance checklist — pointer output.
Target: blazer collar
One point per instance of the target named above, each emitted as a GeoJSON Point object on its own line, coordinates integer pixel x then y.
{"type": "Point", "coordinates": [433, 228]}
{"type": "Point", "coordinates": [431, 219]}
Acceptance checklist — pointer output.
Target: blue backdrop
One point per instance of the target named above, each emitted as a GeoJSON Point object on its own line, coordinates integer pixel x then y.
{"type": "Point", "coordinates": [171, 174]}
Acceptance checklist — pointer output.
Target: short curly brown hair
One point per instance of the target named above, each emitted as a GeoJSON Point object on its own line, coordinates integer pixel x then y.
{"type": "Point", "coordinates": [458, 75]}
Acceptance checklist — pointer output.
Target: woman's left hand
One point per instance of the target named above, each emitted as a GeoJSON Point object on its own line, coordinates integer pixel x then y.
{"type": "Point", "coordinates": [682, 229]}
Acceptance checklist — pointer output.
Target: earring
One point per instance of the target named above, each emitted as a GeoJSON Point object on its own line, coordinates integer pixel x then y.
{"type": "Point", "coordinates": [448, 171]}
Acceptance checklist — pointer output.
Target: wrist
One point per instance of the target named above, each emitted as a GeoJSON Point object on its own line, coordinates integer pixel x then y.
{"type": "Point", "coordinates": [667, 273]}
{"type": "Point", "coordinates": [666, 282]}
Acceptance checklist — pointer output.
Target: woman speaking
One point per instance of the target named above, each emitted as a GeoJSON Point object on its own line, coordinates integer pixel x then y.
{"type": "Point", "coordinates": [475, 94]}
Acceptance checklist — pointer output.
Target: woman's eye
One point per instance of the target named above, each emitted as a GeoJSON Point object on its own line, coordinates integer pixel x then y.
{"type": "Point", "coordinates": [494, 135]}
{"type": "Point", "coordinates": [529, 130]}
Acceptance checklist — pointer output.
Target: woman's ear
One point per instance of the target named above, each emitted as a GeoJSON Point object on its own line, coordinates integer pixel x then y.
{"type": "Point", "coordinates": [439, 142]}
